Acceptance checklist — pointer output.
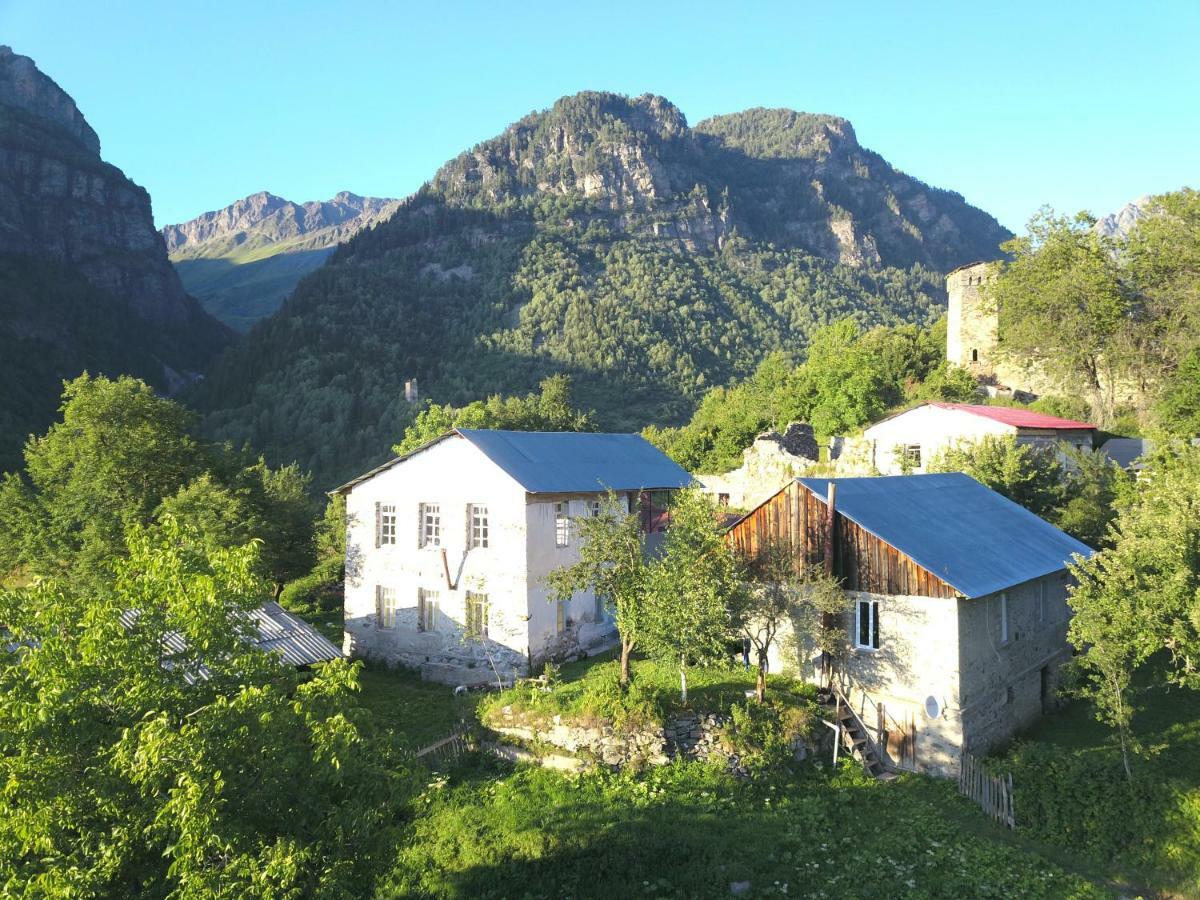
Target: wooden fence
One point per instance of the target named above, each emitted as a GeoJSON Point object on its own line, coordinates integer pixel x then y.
{"type": "Point", "coordinates": [446, 751]}
{"type": "Point", "coordinates": [993, 793]}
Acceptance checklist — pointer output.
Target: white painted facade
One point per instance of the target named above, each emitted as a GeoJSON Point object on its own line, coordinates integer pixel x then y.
{"type": "Point", "coordinates": [920, 434]}
{"type": "Point", "coordinates": [390, 577]}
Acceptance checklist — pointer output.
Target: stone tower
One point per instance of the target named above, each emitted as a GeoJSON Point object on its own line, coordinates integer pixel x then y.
{"type": "Point", "coordinates": [971, 329]}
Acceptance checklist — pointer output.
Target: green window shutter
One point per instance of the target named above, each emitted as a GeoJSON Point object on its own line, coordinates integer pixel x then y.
{"type": "Point", "coordinates": [378, 523]}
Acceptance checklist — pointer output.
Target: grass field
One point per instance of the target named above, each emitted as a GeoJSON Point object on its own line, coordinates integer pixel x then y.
{"type": "Point", "coordinates": [1071, 791]}
{"type": "Point", "coordinates": [417, 711]}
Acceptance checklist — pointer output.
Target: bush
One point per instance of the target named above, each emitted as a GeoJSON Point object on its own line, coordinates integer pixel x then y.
{"type": "Point", "coordinates": [765, 735]}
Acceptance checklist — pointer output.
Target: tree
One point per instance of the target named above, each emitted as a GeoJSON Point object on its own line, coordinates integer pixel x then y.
{"type": "Point", "coordinates": [1093, 483]}
{"type": "Point", "coordinates": [118, 451]}
{"type": "Point", "coordinates": [612, 564]}
{"type": "Point", "coordinates": [549, 410]}
{"type": "Point", "coordinates": [285, 515]}
{"type": "Point", "coordinates": [1028, 475]}
{"type": "Point", "coordinates": [1140, 598]}
{"type": "Point", "coordinates": [1064, 309]}
{"type": "Point", "coordinates": [199, 767]}
{"type": "Point", "coordinates": [692, 587]}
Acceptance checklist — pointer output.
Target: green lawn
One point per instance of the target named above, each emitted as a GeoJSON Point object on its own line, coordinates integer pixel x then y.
{"type": "Point", "coordinates": [417, 711]}
{"type": "Point", "coordinates": [690, 830]}
{"type": "Point", "coordinates": [1071, 791]}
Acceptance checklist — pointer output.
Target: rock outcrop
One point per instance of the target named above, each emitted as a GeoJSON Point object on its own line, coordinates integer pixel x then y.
{"type": "Point", "coordinates": [86, 280]}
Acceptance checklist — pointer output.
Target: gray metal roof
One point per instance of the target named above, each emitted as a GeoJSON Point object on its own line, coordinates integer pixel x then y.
{"type": "Point", "coordinates": [279, 631]}
{"type": "Point", "coordinates": [1125, 451]}
{"type": "Point", "coordinates": [972, 538]}
{"type": "Point", "coordinates": [564, 462]}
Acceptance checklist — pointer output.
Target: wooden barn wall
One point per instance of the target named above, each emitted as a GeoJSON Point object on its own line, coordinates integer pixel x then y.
{"type": "Point", "coordinates": [862, 561]}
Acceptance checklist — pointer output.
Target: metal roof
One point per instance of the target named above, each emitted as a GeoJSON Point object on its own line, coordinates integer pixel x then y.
{"type": "Point", "coordinates": [1126, 452]}
{"type": "Point", "coordinates": [566, 462]}
{"type": "Point", "coordinates": [972, 538]}
{"type": "Point", "coordinates": [279, 631]}
{"type": "Point", "coordinates": [1017, 417]}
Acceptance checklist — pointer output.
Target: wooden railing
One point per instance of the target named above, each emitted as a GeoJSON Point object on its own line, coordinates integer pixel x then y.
{"type": "Point", "coordinates": [993, 793]}
{"type": "Point", "coordinates": [446, 751]}
{"type": "Point", "coordinates": [884, 729]}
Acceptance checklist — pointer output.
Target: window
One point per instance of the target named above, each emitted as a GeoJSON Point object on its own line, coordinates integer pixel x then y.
{"type": "Point", "coordinates": [1003, 618]}
{"type": "Point", "coordinates": [1041, 608]}
{"type": "Point", "coordinates": [479, 526]}
{"type": "Point", "coordinates": [562, 525]}
{"type": "Point", "coordinates": [427, 609]}
{"type": "Point", "coordinates": [385, 524]}
{"type": "Point", "coordinates": [599, 613]}
{"type": "Point", "coordinates": [477, 615]}
{"type": "Point", "coordinates": [722, 499]}
{"type": "Point", "coordinates": [866, 625]}
{"type": "Point", "coordinates": [430, 524]}
{"type": "Point", "coordinates": [560, 616]}
{"type": "Point", "coordinates": [975, 356]}
{"type": "Point", "coordinates": [385, 606]}
{"type": "Point", "coordinates": [912, 455]}
{"type": "Point", "coordinates": [594, 509]}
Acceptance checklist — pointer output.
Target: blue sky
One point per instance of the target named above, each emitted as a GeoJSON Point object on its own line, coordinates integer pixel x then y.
{"type": "Point", "coordinates": [1079, 105]}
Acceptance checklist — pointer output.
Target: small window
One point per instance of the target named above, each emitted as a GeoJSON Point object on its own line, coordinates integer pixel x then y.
{"type": "Point", "coordinates": [431, 525]}
{"type": "Point", "coordinates": [866, 625]}
{"type": "Point", "coordinates": [385, 524]}
{"type": "Point", "coordinates": [560, 616]}
{"type": "Point", "coordinates": [427, 609]}
{"type": "Point", "coordinates": [562, 525]}
{"type": "Point", "coordinates": [477, 615]}
{"type": "Point", "coordinates": [1003, 618]}
{"type": "Point", "coordinates": [599, 611]}
{"type": "Point", "coordinates": [974, 356]}
{"type": "Point", "coordinates": [912, 455]}
{"type": "Point", "coordinates": [722, 499]}
{"type": "Point", "coordinates": [385, 606]}
{"type": "Point", "coordinates": [1009, 694]}
{"type": "Point", "coordinates": [594, 509]}
{"type": "Point", "coordinates": [479, 526]}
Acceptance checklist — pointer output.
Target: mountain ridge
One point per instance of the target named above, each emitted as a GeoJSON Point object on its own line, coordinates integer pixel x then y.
{"type": "Point", "coordinates": [243, 259]}
{"type": "Point", "coordinates": [601, 238]}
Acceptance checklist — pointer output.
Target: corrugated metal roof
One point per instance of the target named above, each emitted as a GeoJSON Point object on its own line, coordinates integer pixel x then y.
{"type": "Point", "coordinates": [1018, 418]}
{"type": "Point", "coordinates": [972, 538]}
{"type": "Point", "coordinates": [566, 462]}
{"type": "Point", "coordinates": [279, 631]}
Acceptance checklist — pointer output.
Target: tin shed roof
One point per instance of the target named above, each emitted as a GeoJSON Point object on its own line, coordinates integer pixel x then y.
{"type": "Point", "coordinates": [972, 538]}
{"type": "Point", "coordinates": [564, 462]}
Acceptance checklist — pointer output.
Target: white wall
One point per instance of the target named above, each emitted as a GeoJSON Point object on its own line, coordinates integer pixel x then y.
{"type": "Point", "coordinates": [454, 474]}
{"type": "Point", "coordinates": [933, 428]}
{"type": "Point", "coordinates": [544, 556]}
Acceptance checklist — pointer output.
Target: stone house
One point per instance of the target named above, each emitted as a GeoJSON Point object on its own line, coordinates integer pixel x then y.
{"type": "Point", "coordinates": [772, 460]}
{"type": "Point", "coordinates": [448, 547]}
{"type": "Point", "coordinates": [956, 611]}
{"type": "Point", "coordinates": [907, 441]}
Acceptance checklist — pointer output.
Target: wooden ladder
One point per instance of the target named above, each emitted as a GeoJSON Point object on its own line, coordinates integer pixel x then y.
{"type": "Point", "coordinates": [859, 740]}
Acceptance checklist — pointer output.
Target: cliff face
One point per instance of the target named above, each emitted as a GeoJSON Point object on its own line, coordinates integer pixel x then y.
{"type": "Point", "coordinates": [243, 260]}
{"type": "Point", "coordinates": [87, 283]}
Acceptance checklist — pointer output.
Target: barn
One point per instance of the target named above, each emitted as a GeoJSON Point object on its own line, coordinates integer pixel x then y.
{"type": "Point", "coordinates": [956, 606]}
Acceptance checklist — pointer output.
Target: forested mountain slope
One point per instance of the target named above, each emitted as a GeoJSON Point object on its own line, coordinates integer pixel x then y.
{"type": "Point", "coordinates": [602, 238]}
{"type": "Point", "coordinates": [84, 277]}
{"type": "Point", "coordinates": [241, 261]}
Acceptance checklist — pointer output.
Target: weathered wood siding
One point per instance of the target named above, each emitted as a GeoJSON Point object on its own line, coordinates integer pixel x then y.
{"type": "Point", "coordinates": [796, 516]}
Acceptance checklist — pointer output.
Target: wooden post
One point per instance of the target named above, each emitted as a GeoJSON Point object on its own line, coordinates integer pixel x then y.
{"type": "Point", "coordinates": [830, 527]}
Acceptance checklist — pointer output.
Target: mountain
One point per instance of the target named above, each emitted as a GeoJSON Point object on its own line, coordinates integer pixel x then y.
{"type": "Point", "coordinates": [241, 261]}
{"type": "Point", "coordinates": [1118, 224]}
{"type": "Point", "coordinates": [606, 239]}
{"type": "Point", "coordinates": [84, 278]}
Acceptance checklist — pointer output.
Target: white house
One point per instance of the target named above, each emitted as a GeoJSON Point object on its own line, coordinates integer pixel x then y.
{"type": "Point", "coordinates": [907, 441]}
{"type": "Point", "coordinates": [956, 608]}
{"type": "Point", "coordinates": [448, 547]}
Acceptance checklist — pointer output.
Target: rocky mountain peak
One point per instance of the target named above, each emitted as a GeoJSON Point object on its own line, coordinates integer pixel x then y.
{"type": "Point", "coordinates": [23, 86]}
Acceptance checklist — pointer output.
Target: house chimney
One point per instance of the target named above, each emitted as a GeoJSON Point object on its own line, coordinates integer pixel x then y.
{"type": "Point", "coordinates": [830, 527]}
{"type": "Point", "coordinates": [410, 390]}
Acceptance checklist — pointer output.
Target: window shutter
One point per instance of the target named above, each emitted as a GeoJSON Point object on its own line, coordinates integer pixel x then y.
{"type": "Point", "coordinates": [420, 524]}
{"type": "Point", "coordinates": [420, 609]}
{"type": "Point", "coordinates": [378, 528]}
{"type": "Point", "coordinates": [378, 602]}
{"type": "Point", "coordinates": [470, 542]}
